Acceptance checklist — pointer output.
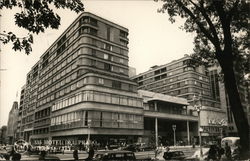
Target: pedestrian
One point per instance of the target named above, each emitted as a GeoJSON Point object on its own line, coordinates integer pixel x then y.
{"type": "Point", "coordinates": [14, 155]}
{"type": "Point", "coordinates": [212, 153]}
{"type": "Point", "coordinates": [236, 153]}
{"type": "Point", "coordinates": [75, 153]}
{"type": "Point", "coordinates": [91, 152]}
{"type": "Point", "coordinates": [221, 152]}
{"type": "Point", "coordinates": [228, 152]}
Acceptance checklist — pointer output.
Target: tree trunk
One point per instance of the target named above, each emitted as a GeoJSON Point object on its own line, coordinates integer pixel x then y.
{"type": "Point", "coordinates": [236, 106]}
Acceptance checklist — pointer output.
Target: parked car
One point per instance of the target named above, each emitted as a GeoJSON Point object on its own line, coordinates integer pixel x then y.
{"type": "Point", "coordinates": [113, 146]}
{"type": "Point", "coordinates": [174, 155]}
{"type": "Point", "coordinates": [114, 155]}
{"type": "Point", "coordinates": [131, 147]}
{"type": "Point", "coordinates": [146, 148]}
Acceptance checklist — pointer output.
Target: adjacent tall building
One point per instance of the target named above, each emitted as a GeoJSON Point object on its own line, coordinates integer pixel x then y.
{"type": "Point", "coordinates": [12, 123]}
{"type": "Point", "coordinates": [179, 78]}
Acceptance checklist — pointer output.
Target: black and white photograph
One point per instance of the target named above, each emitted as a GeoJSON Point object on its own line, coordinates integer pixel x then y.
{"type": "Point", "coordinates": [125, 80]}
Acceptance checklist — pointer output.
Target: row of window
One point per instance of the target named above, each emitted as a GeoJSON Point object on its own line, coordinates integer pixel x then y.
{"type": "Point", "coordinates": [98, 97]}
{"type": "Point", "coordinates": [42, 113]}
{"type": "Point", "coordinates": [27, 119]}
{"type": "Point", "coordinates": [172, 84]}
{"type": "Point", "coordinates": [41, 131]}
{"type": "Point", "coordinates": [99, 119]}
{"type": "Point", "coordinates": [50, 97]}
{"type": "Point", "coordinates": [69, 50]}
{"type": "Point", "coordinates": [178, 67]}
{"type": "Point", "coordinates": [42, 122]}
{"type": "Point", "coordinates": [103, 65]}
{"type": "Point", "coordinates": [103, 55]}
{"type": "Point", "coordinates": [54, 69]}
{"type": "Point", "coordinates": [45, 75]}
{"type": "Point", "coordinates": [57, 85]}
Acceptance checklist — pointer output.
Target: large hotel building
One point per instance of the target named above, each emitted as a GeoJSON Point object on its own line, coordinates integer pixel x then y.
{"type": "Point", "coordinates": [80, 87]}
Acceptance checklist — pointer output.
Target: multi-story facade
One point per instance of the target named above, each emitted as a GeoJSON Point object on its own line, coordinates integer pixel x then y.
{"type": "Point", "coordinates": [12, 123]}
{"type": "Point", "coordinates": [179, 78]}
{"type": "Point", "coordinates": [80, 85]}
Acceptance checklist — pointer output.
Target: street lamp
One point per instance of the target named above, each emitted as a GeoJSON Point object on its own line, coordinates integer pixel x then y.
{"type": "Point", "coordinates": [198, 106]}
{"type": "Point", "coordinates": [89, 123]}
{"type": "Point", "coordinates": [174, 128]}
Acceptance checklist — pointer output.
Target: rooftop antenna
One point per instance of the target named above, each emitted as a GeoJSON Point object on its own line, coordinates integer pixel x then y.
{"type": "Point", "coordinates": [16, 95]}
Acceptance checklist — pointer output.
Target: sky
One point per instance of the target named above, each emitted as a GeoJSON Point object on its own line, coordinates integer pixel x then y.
{"type": "Point", "coordinates": [153, 40]}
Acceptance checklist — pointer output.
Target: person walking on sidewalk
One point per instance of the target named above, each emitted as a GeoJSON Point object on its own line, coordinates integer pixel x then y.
{"type": "Point", "coordinates": [91, 152]}
{"type": "Point", "coordinates": [75, 154]}
{"type": "Point", "coordinates": [228, 152]}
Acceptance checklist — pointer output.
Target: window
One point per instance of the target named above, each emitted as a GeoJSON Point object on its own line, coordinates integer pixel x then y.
{"type": "Point", "coordinates": [116, 84]}
{"type": "Point", "coordinates": [107, 47]}
{"type": "Point", "coordinates": [100, 81]}
{"type": "Point", "coordinates": [121, 60]}
{"type": "Point", "coordinates": [106, 56]}
{"type": "Point", "coordinates": [121, 70]}
{"type": "Point", "coordinates": [123, 42]}
{"type": "Point", "coordinates": [108, 33]}
{"type": "Point", "coordinates": [94, 42]}
{"type": "Point", "coordinates": [73, 87]}
{"type": "Point", "coordinates": [93, 63]}
{"type": "Point", "coordinates": [107, 67]}
{"type": "Point", "coordinates": [93, 52]}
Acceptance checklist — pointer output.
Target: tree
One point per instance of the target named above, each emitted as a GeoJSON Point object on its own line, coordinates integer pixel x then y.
{"type": "Point", "coordinates": [35, 16]}
{"type": "Point", "coordinates": [222, 36]}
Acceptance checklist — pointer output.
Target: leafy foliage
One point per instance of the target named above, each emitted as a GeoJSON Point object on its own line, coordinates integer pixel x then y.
{"type": "Point", "coordinates": [35, 16]}
{"type": "Point", "coordinates": [209, 19]}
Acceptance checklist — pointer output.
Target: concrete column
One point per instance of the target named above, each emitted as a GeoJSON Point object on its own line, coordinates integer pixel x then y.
{"type": "Point", "coordinates": [156, 132]}
{"type": "Point", "coordinates": [188, 134]}
{"type": "Point", "coordinates": [156, 126]}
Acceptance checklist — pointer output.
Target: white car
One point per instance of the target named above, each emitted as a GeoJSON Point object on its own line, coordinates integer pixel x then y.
{"type": "Point", "coordinates": [197, 155]}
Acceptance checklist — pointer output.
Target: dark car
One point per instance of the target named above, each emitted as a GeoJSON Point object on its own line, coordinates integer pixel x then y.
{"type": "Point", "coordinates": [174, 155]}
{"type": "Point", "coordinates": [114, 155]}
{"type": "Point", "coordinates": [110, 155]}
{"type": "Point", "coordinates": [131, 147]}
{"type": "Point", "coordinates": [146, 148]}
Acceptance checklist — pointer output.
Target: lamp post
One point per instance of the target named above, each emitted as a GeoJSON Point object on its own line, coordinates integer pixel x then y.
{"type": "Point", "coordinates": [198, 106]}
{"type": "Point", "coordinates": [89, 123]}
{"type": "Point", "coordinates": [174, 128]}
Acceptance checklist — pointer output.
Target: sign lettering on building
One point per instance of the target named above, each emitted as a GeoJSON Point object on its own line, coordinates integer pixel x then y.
{"type": "Point", "coordinates": [220, 122]}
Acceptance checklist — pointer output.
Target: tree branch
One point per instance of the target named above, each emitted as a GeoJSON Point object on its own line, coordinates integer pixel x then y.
{"type": "Point", "coordinates": [211, 26]}
{"type": "Point", "coordinates": [230, 13]}
{"type": "Point", "coordinates": [225, 26]}
{"type": "Point", "coordinates": [202, 28]}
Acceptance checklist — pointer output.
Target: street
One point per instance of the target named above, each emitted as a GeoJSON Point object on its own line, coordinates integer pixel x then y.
{"type": "Point", "coordinates": [68, 155]}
